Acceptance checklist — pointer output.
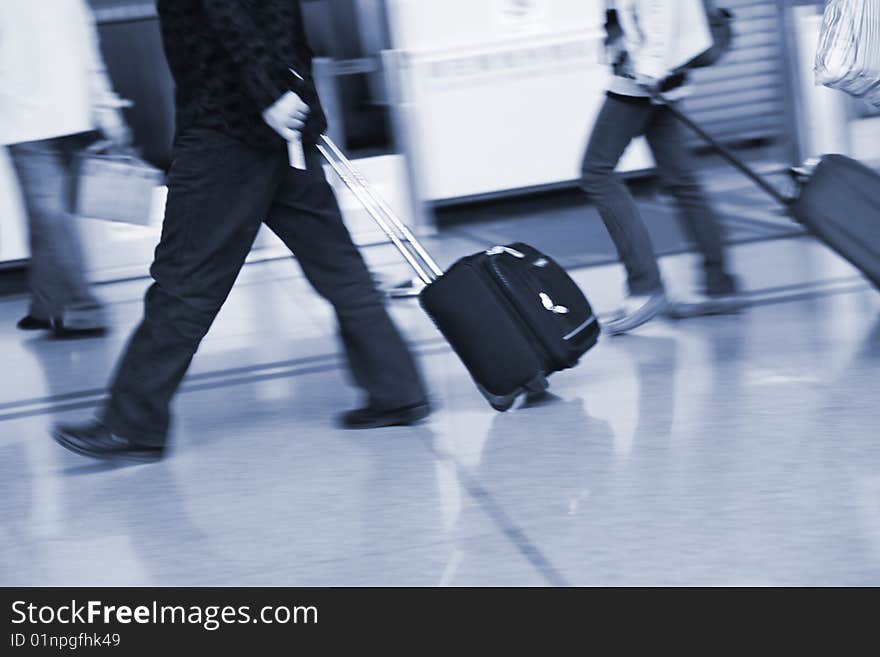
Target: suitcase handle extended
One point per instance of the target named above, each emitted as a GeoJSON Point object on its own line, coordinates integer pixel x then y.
{"type": "Point", "coordinates": [725, 153]}
{"type": "Point", "coordinates": [398, 232]}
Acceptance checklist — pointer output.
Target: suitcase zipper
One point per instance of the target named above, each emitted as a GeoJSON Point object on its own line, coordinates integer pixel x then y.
{"type": "Point", "coordinates": [506, 286]}
{"type": "Point", "coordinates": [505, 283]}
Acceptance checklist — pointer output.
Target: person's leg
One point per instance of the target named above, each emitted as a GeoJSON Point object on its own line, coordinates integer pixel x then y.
{"type": "Point", "coordinates": [219, 191]}
{"type": "Point", "coordinates": [617, 124]}
{"type": "Point", "coordinates": [677, 173]}
{"type": "Point", "coordinates": [84, 310]}
{"type": "Point", "coordinates": [306, 217]}
{"type": "Point", "coordinates": [57, 278]}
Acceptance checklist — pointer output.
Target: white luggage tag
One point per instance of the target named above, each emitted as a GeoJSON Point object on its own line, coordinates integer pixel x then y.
{"type": "Point", "coordinates": [295, 154]}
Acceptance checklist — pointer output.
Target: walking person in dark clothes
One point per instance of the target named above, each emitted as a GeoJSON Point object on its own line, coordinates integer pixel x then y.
{"type": "Point", "coordinates": [647, 40]}
{"type": "Point", "coordinates": [244, 89]}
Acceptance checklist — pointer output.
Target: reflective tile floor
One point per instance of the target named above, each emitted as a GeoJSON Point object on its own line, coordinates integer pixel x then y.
{"type": "Point", "coordinates": [715, 451]}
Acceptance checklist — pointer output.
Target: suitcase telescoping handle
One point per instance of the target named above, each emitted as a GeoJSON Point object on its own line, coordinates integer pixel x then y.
{"type": "Point", "coordinates": [724, 152]}
{"type": "Point", "coordinates": [398, 232]}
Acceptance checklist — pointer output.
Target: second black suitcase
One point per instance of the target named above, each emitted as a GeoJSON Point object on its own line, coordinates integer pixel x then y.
{"type": "Point", "coordinates": [511, 313]}
{"type": "Point", "coordinates": [838, 201]}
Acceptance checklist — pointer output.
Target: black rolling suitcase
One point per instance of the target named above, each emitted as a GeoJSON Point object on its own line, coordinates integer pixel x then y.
{"type": "Point", "coordinates": [511, 313]}
{"type": "Point", "coordinates": [838, 201]}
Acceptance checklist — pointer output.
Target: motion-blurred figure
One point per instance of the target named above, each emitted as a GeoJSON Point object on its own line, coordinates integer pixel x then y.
{"type": "Point", "coordinates": [54, 91]}
{"type": "Point", "coordinates": [641, 33]}
{"type": "Point", "coordinates": [244, 91]}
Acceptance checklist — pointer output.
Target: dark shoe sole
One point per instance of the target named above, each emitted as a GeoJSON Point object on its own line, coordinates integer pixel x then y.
{"type": "Point", "coordinates": [29, 323]}
{"type": "Point", "coordinates": [128, 456]}
{"type": "Point", "coordinates": [704, 308]}
{"type": "Point", "coordinates": [78, 334]}
{"type": "Point", "coordinates": [404, 418]}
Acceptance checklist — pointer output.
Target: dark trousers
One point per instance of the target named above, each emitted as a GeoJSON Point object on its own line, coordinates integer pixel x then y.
{"type": "Point", "coordinates": [219, 193]}
{"type": "Point", "coordinates": [619, 122]}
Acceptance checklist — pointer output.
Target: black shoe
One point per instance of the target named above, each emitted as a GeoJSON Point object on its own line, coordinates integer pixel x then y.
{"type": "Point", "coordinates": [372, 418]}
{"type": "Point", "coordinates": [97, 441]}
{"type": "Point", "coordinates": [62, 332]}
{"type": "Point", "coordinates": [720, 284]}
{"type": "Point", "coordinates": [31, 323]}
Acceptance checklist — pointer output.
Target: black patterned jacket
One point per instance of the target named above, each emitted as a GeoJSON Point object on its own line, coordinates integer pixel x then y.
{"type": "Point", "coordinates": [231, 59]}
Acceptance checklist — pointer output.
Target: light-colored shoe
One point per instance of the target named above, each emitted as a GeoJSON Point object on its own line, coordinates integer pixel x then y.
{"type": "Point", "coordinates": [635, 311]}
{"type": "Point", "coordinates": [704, 305]}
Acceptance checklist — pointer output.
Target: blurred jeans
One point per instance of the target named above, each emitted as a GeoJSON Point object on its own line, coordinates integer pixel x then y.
{"type": "Point", "coordinates": [621, 120]}
{"type": "Point", "coordinates": [220, 191]}
{"type": "Point", "coordinates": [59, 291]}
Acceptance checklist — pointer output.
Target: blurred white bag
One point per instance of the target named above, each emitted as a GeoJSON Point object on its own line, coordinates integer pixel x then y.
{"type": "Point", "coordinates": [116, 186]}
{"type": "Point", "coordinates": [848, 56]}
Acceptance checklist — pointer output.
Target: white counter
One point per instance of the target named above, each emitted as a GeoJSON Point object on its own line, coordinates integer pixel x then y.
{"type": "Point", "coordinates": [496, 95]}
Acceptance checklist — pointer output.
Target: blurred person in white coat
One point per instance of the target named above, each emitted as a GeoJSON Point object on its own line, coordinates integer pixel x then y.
{"type": "Point", "coordinates": [648, 44]}
{"type": "Point", "coordinates": [54, 93]}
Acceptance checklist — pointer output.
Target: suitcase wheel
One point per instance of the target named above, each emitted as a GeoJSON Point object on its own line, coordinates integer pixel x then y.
{"type": "Point", "coordinates": [500, 403]}
{"type": "Point", "coordinates": [537, 385]}
{"type": "Point", "coordinates": [505, 405]}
